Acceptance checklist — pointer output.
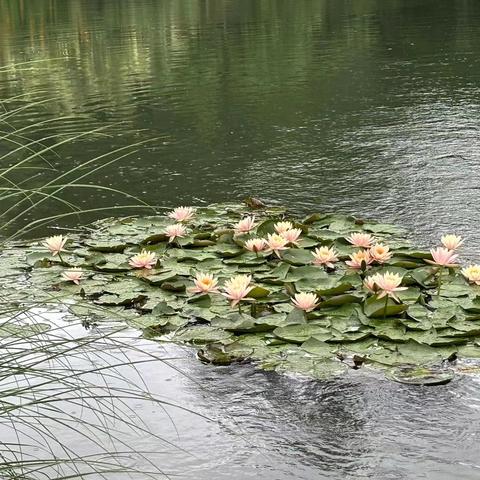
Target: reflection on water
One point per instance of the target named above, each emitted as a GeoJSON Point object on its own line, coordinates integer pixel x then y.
{"type": "Point", "coordinates": [270, 426]}
{"type": "Point", "coordinates": [368, 106]}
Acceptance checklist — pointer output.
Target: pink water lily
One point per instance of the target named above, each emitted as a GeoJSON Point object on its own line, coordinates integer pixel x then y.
{"type": "Point", "coordinates": [380, 253]}
{"type": "Point", "coordinates": [55, 244]}
{"type": "Point", "coordinates": [182, 214]}
{"type": "Point", "coordinates": [237, 288]}
{"type": "Point", "coordinates": [255, 245]}
{"type": "Point", "coordinates": [174, 231]}
{"type": "Point", "coordinates": [370, 283]}
{"type": "Point", "coordinates": [276, 243]}
{"type": "Point", "coordinates": [144, 259]}
{"type": "Point", "coordinates": [451, 242]}
{"type": "Point", "coordinates": [364, 240]}
{"type": "Point", "coordinates": [325, 256]}
{"type": "Point", "coordinates": [281, 227]}
{"type": "Point", "coordinates": [472, 274]}
{"type": "Point", "coordinates": [443, 257]}
{"type": "Point", "coordinates": [305, 301]}
{"type": "Point", "coordinates": [205, 283]}
{"type": "Point", "coordinates": [292, 235]}
{"type": "Point", "coordinates": [245, 225]}
{"type": "Point", "coordinates": [358, 258]}
{"type": "Point", "coordinates": [73, 274]}
{"type": "Point", "coordinates": [389, 283]}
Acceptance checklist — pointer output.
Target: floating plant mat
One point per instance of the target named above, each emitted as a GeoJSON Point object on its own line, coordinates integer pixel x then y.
{"type": "Point", "coordinates": [350, 328]}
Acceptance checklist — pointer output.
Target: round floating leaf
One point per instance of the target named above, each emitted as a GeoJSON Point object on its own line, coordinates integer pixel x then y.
{"type": "Point", "coordinates": [421, 375]}
{"type": "Point", "coordinates": [469, 351]}
{"type": "Point", "coordinates": [306, 272]}
{"type": "Point", "coordinates": [339, 300]}
{"type": "Point", "coordinates": [296, 316]}
{"type": "Point", "coordinates": [332, 286]}
{"type": "Point", "coordinates": [318, 368]}
{"type": "Point", "coordinates": [318, 348]}
{"type": "Point", "coordinates": [300, 333]}
{"type": "Point", "coordinates": [266, 227]}
{"type": "Point", "coordinates": [298, 256]}
{"type": "Point", "coordinates": [258, 292]}
{"type": "Point", "coordinates": [10, 329]}
{"type": "Point", "coordinates": [107, 247]}
{"type": "Point", "coordinates": [245, 323]}
{"type": "Point", "coordinates": [423, 276]}
{"type": "Point", "coordinates": [375, 308]}
{"type": "Point", "coordinates": [202, 334]}
{"type": "Point", "coordinates": [383, 228]}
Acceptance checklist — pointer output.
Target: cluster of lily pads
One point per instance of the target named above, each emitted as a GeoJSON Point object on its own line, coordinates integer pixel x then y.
{"type": "Point", "coordinates": [315, 296]}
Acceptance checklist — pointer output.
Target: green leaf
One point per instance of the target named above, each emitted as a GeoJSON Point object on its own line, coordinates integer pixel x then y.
{"type": "Point", "coordinates": [202, 334]}
{"type": "Point", "coordinates": [10, 329]}
{"type": "Point", "coordinates": [266, 227]}
{"type": "Point", "coordinates": [258, 292]}
{"type": "Point", "coordinates": [375, 308]}
{"type": "Point", "coordinates": [300, 333]}
{"type": "Point", "coordinates": [421, 375]}
{"type": "Point", "coordinates": [298, 256]}
{"type": "Point", "coordinates": [318, 348]}
{"type": "Point", "coordinates": [339, 300]}
{"type": "Point", "coordinates": [296, 316]}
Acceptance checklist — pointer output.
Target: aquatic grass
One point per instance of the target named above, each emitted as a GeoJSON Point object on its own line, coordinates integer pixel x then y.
{"type": "Point", "coordinates": [49, 374]}
{"type": "Point", "coordinates": [87, 384]}
{"type": "Point", "coordinates": [26, 151]}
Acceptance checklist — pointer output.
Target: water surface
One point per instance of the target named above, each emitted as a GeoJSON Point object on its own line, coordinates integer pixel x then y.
{"type": "Point", "coordinates": [366, 106]}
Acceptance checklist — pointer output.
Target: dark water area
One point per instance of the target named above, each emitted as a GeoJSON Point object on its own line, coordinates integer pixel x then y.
{"type": "Point", "coordinates": [366, 106]}
{"type": "Point", "coordinates": [369, 107]}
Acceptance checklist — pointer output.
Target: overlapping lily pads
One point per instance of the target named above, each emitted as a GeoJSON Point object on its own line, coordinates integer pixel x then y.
{"type": "Point", "coordinates": [348, 329]}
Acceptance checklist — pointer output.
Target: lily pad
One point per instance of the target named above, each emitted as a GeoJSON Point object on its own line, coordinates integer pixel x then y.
{"type": "Point", "coordinates": [421, 375]}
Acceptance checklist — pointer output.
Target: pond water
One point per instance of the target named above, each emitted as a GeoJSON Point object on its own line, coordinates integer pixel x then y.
{"type": "Point", "coordinates": [366, 106]}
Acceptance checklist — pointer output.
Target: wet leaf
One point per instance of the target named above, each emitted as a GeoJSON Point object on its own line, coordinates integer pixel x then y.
{"type": "Point", "coordinates": [375, 308]}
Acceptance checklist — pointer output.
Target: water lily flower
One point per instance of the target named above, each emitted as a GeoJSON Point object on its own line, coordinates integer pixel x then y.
{"type": "Point", "coordinates": [292, 235]}
{"type": "Point", "coordinates": [182, 214]}
{"type": "Point", "coordinates": [364, 240]}
{"type": "Point", "coordinates": [237, 288]}
{"type": "Point", "coordinates": [255, 245]}
{"type": "Point", "coordinates": [204, 283]}
{"type": "Point", "coordinates": [443, 257]}
{"type": "Point", "coordinates": [174, 231]}
{"type": "Point", "coordinates": [380, 253]}
{"type": "Point", "coordinates": [305, 301]}
{"type": "Point", "coordinates": [281, 227]}
{"type": "Point", "coordinates": [389, 283]}
{"type": "Point", "coordinates": [451, 242]}
{"type": "Point", "coordinates": [358, 258]}
{"type": "Point", "coordinates": [325, 256]}
{"type": "Point", "coordinates": [55, 244]}
{"type": "Point", "coordinates": [144, 259]}
{"type": "Point", "coordinates": [370, 283]}
{"type": "Point", "coordinates": [73, 274]}
{"type": "Point", "coordinates": [472, 274]}
{"type": "Point", "coordinates": [276, 243]}
{"type": "Point", "coordinates": [245, 225]}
